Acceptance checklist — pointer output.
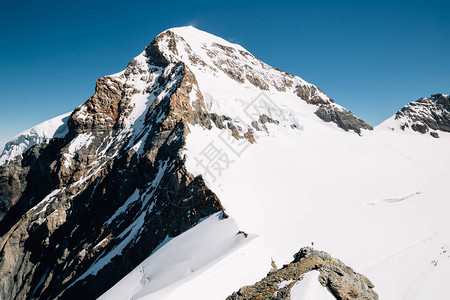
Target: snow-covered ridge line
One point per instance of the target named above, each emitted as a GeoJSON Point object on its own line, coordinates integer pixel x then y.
{"type": "Point", "coordinates": [45, 131]}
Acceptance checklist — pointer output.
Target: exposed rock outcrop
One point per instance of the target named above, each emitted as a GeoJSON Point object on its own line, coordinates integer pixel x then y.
{"type": "Point", "coordinates": [342, 281]}
{"type": "Point", "coordinates": [426, 114]}
{"type": "Point", "coordinates": [312, 94]}
{"type": "Point", "coordinates": [342, 117]}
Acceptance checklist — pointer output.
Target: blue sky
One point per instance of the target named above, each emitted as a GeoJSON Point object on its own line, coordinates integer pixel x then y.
{"type": "Point", "coordinates": [372, 57]}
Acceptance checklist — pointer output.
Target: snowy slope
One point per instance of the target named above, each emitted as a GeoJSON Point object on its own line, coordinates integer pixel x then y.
{"type": "Point", "coordinates": [184, 256]}
{"type": "Point", "coordinates": [55, 127]}
{"type": "Point", "coordinates": [378, 201]}
{"type": "Point", "coordinates": [310, 288]}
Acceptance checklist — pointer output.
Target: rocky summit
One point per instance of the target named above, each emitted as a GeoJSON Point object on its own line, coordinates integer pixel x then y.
{"type": "Point", "coordinates": [144, 191]}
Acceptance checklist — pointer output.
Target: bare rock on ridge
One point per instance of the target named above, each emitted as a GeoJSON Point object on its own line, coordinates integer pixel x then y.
{"type": "Point", "coordinates": [342, 281]}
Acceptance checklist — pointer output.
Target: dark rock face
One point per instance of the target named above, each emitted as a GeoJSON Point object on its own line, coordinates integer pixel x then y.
{"type": "Point", "coordinates": [12, 184]}
{"type": "Point", "coordinates": [434, 134]}
{"type": "Point", "coordinates": [426, 114]}
{"type": "Point", "coordinates": [342, 117]}
{"type": "Point", "coordinates": [342, 281]}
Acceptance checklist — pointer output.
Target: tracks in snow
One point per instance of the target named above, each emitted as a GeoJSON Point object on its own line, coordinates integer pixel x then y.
{"type": "Point", "coordinates": [393, 200]}
{"type": "Point", "coordinates": [417, 284]}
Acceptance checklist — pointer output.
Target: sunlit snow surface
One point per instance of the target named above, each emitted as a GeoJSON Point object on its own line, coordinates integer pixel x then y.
{"type": "Point", "coordinates": [310, 289]}
{"type": "Point", "coordinates": [183, 257]}
{"type": "Point", "coordinates": [378, 202]}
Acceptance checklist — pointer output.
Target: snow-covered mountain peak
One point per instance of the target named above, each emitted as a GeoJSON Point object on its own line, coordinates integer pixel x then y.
{"type": "Point", "coordinates": [231, 79]}
{"type": "Point", "coordinates": [196, 37]}
{"type": "Point", "coordinates": [204, 52]}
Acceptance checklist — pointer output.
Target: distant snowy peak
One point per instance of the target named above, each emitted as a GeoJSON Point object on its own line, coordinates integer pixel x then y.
{"type": "Point", "coordinates": [56, 127]}
{"type": "Point", "coordinates": [424, 115]}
